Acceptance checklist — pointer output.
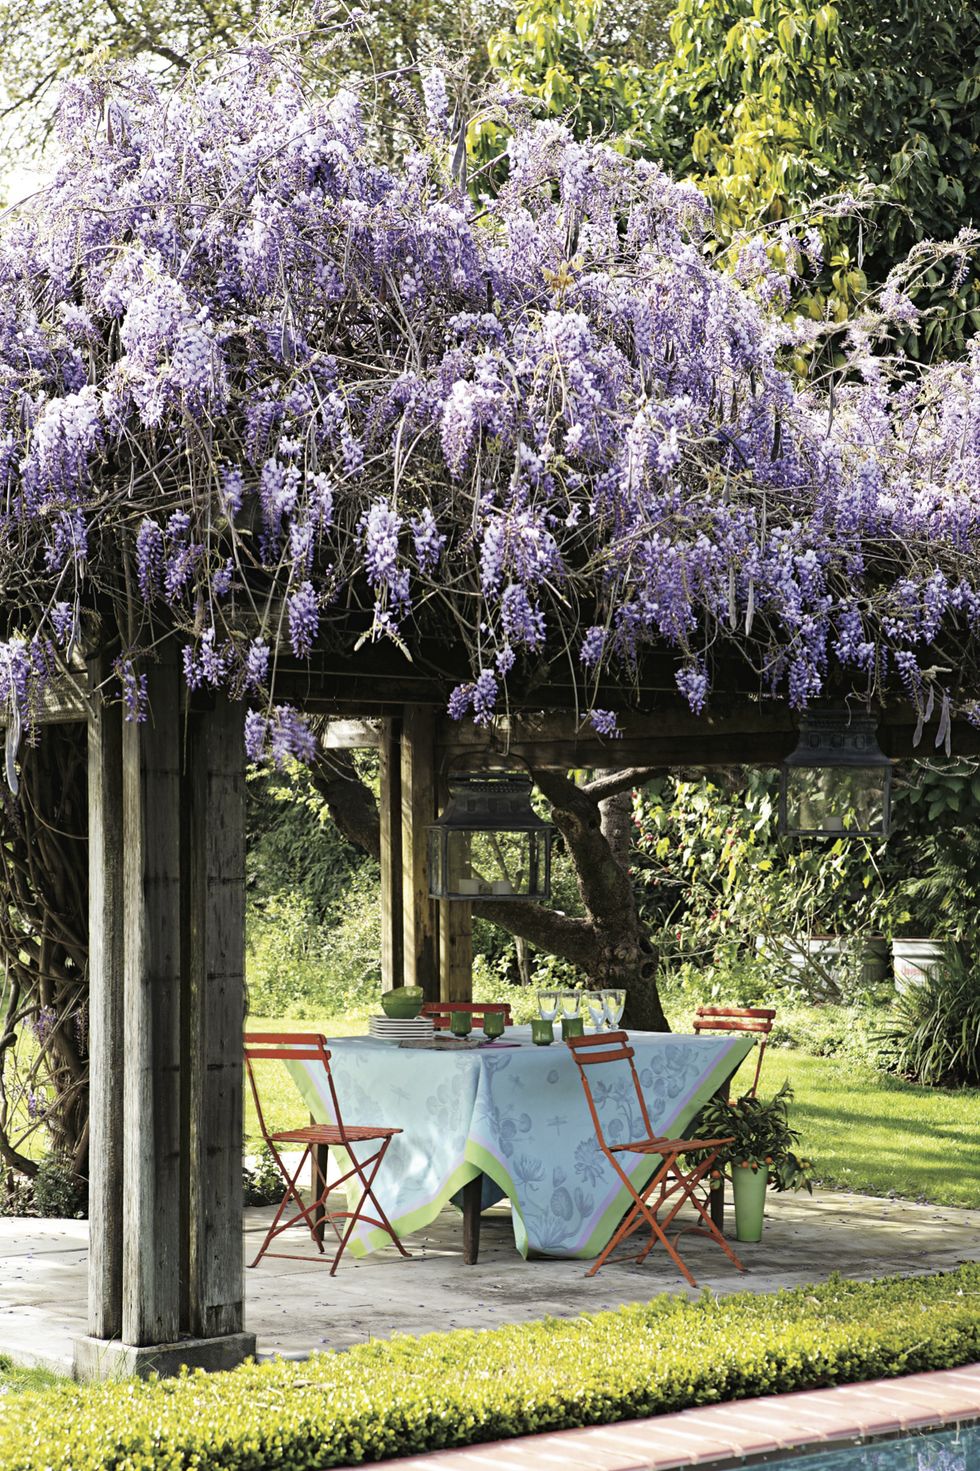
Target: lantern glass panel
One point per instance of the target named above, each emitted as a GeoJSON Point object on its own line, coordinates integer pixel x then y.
{"type": "Point", "coordinates": [492, 863]}
{"type": "Point", "coordinates": [844, 799]}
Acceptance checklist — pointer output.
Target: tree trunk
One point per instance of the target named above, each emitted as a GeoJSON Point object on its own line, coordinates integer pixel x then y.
{"type": "Point", "coordinates": [610, 946]}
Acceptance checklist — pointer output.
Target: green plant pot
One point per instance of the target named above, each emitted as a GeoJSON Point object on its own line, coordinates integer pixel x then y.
{"type": "Point", "coordinates": [749, 1190]}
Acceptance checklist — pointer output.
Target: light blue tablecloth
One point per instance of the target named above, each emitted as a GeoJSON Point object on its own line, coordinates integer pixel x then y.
{"type": "Point", "coordinates": [518, 1114]}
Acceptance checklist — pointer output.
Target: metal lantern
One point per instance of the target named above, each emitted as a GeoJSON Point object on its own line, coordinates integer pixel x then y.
{"type": "Point", "coordinates": [838, 780]}
{"type": "Point", "coordinates": [489, 843]}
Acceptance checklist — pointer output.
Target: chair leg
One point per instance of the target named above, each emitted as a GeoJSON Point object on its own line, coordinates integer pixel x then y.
{"type": "Point", "coordinates": [304, 1213]}
{"type": "Point", "coordinates": [688, 1185]}
{"type": "Point", "coordinates": [640, 1212]}
{"type": "Point", "coordinates": [367, 1194]}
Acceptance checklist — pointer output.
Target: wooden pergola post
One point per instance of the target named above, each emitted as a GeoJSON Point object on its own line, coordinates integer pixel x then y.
{"type": "Point", "coordinates": [106, 1050]}
{"type": "Point", "coordinates": [420, 957]}
{"type": "Point", "coordinates": [167, 915]}
{"type": "Point", "coordinates": [455, 932]}
{"type": "Point", "coordinates": [390, 816]}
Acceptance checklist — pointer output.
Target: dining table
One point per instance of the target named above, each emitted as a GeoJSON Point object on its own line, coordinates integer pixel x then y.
{"type": "Point", "coordinates": [509, 1118]}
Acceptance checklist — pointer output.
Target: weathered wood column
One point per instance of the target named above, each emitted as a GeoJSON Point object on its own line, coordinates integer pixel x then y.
{"type": "Point", "coordinates": [215, 1000]}
{"type": "Point", "coordinates": [152, 934]}
{"type": "Point", "coordinates": [105, 823]}
{"type": "Point", "coordinates": [418, 807]}
{"type": "Point", "coordinates": [455, 934]}
{"type": "Point", "coordinates": [168, 929]}
{"type": "Point", "coordinates": [390, 815]}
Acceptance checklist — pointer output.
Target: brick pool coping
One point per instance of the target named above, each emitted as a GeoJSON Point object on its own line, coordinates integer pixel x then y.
{"type": "Point", "coordinates": [730, 1434]}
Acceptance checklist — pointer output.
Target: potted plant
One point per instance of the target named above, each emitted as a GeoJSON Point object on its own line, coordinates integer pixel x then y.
{"type": "Point", "coordinates": [762, 1153]}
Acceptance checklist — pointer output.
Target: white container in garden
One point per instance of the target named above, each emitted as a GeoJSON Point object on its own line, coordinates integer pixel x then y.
{"type": "Point", "coordinates": [914, 960]}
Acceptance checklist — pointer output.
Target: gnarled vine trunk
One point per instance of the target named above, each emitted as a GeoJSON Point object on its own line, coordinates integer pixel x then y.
{"type": "Point", "coordinates": [44, 953]}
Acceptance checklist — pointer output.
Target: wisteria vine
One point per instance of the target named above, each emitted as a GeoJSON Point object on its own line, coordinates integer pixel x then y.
{"type": "Point", "coordinates": [265, 393]}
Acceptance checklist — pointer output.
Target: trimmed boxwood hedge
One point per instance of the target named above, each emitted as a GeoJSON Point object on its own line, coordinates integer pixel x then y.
{"type": "Point", "coordinates": [393, 1397]}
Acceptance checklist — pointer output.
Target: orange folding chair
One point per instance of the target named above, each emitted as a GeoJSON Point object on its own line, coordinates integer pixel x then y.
{"type": "Point", "coordinates": [671, 1183]}
{"type": "Point", "coordinates": [738, 1019]}
{"type": "Point", "coordinates": [310, 1047]}
{"type": "Point", "coordinates": [441, 1011]}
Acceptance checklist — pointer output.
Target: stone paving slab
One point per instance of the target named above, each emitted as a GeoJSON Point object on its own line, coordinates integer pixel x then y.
{"type": "Point", "coordinates": [295, 1307]}
{"type": "Point", "coordinates": [730, 1434]}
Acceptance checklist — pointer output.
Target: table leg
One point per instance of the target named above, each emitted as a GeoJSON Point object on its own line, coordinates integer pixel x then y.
{"type": "Point", "coordinates": [718, 1196]}
{"type": "Point", "coordinates": [319, 1161]}
{"type": "Point", "coordinates": [472, 1201]}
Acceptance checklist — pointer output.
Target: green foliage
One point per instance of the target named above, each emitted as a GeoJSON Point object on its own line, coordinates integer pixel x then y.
{"type": "Point", "coordinates": [933, 856]}
{"type": "Point", "coordinates": [59, 1193]}
{"type": "Point", "coordinates": [572, 57]}
{"type": "Point", "coordinates": [295, 850]}
{"type": "Point", "coordinates": [731, 900]}
{"type": "Point", "coordinates": [408, 1395]}
{"type": "Point", "coordinates": [933, 1032]}
{"type": "Point", "coordinates": [12, 1378]}
{"type": "Point", "coordinates": [761, 1137]}
{"type": "Point", "coordinates": [297, 966]}
{"type": "Point", "coordinates": [770, 105]}
{"type": "Point", "coordinates": [262, 1182]}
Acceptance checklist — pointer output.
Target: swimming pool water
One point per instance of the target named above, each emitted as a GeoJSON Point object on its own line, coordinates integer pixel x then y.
{"type": "Point", "coordinates": [941, 1450]}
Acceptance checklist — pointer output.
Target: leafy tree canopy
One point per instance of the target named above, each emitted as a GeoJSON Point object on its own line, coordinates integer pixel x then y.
{"type": "Point", "coordinates": [265, 394]}
{"type": "Point", "coordinates": [771, 104]}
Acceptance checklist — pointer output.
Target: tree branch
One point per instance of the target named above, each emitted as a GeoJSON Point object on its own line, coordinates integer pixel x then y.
{"type": "Point", "coordinates": [547, 930]}
{"type": "Point", "coordinates": [611, 783]}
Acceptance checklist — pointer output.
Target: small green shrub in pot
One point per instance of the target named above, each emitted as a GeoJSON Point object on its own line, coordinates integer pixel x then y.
{"type": "Point", "coordinates": [761, 1137]}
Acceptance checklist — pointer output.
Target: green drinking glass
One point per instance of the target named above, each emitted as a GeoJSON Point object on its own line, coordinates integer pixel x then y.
{"type": "Point", "coordinates": [460, 1023]}
{"type": "Point", "coordinates": [572, 1026]}
{"type": "Point", "coordinates": [493, 1024]}
{"type": "Point", "coordinates": [542, 1032]}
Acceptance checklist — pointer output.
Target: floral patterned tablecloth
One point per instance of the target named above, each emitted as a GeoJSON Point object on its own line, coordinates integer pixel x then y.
{"type": "Point", "coordinates": [519, 1115]}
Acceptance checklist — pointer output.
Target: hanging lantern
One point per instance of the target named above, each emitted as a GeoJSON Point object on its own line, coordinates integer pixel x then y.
{"type": "Point", "coordinates": [838, 780]}
{"type": "Point", "coordinates": [489, 843]}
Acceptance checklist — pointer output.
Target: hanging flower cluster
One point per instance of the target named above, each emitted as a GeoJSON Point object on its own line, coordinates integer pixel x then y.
{"type": "Point", "coordinates": [264, 393]}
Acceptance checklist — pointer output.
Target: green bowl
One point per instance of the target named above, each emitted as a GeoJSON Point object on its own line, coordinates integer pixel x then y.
{"type": "Point", "coordinates": [403, 1008]}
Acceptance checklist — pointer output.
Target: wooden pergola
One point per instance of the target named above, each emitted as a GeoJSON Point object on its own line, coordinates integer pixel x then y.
{"type": "Point", "coordinates": [167, 941]}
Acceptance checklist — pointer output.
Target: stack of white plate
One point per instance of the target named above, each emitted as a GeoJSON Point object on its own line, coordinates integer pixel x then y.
{"type": "Point", "coordinates": [397, 1029]}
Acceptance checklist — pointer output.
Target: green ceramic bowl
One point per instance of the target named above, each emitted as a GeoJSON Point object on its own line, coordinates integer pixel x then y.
{"type": "Point", "coordinates": [395, 1004]}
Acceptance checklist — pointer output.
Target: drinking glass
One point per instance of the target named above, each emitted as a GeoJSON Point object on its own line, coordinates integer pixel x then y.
{"type": "Point", "coordinates": [615, 1003]}
{"type": "Point", "coordinates": [548, 1005]}
{"type": "Point", "coordinates": [596, 1007]}
{"type": "Point", "coordinates": [493, 1024]}
{"type": "Point", "coordinates": [460, 1023]}
{"type": "Point", "coordinates": [542, 1031]}
{"type": "Point", "coordinates": [571, 1002]}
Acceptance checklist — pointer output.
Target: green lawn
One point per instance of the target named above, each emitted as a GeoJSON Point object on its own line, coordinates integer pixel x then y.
{"type": "Point", "coordinates": [864, 1130]}
{"type": "Point", "coordinates": [870, 1132]}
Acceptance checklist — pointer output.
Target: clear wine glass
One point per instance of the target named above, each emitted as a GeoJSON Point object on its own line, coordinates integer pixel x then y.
{"type": "Point", "coordinates": [548, 1005]}
{"type": "Point", "coordinates": [571, 1003]}
{"type": "Point", "coordinates": [596, 1007]}
{"type": "Point", "coordinates": [614, 1002]}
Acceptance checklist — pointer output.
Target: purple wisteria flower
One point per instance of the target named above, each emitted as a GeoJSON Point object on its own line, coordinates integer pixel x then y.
{"type": "Point", "coordinates": [265, 390]}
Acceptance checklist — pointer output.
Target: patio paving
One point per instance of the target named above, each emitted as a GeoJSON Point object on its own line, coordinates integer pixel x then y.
{"type": "Point", "coordinates": [295, 1307]}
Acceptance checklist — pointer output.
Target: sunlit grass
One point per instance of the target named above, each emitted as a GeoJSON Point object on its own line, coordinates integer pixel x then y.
{"type": "Point", "coordinates": [13, 1379]}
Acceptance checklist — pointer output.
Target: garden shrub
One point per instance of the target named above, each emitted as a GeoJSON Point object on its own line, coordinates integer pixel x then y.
{"type": "Point", "coordinates": [261, 1178]}
{"type": "Point", "coordinates": [933, 1033]}
{"type": "Point", "coordinates": [404, 1395]}
{"type": "Point", "coordinates": [297, 967]}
